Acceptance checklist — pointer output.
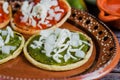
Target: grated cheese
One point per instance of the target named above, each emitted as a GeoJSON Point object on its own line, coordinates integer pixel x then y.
{"type": "Point", "coordinates": [75, 41]}
{"type": "Point", "coordinates": [41, 10]}
{"type": "Point", "coordinates": [58, 16]}
{"type": "Point", "coordinates": [3, 43]}
{"type": "Point", "coordinates": [58, 9]}
{"type": "Point", "coordinates": [80, 53]}
{"type": "Point", "coordinates": [57, 57]}
{"type": "Point", "coordinates": [55, 41]}
{"type": "Point", "coordinates": [10, 34]}
{"type": "Point", "coordinates": [49, 44]}
{"type": "Point", "coordinates": [5, 7]}
{"type": "Point", "coordinates": [7, 49]}
{"type": "Point", "coordinates": [4, 33]}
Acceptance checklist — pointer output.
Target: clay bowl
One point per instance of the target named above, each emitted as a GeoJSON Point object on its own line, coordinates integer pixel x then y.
{"type": "Point", "coordinates": [110, 12]}
{"type": "Point", "coordinates": [105, 55]}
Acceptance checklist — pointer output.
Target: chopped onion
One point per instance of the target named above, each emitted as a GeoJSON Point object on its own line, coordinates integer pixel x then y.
{"type": "Point", "coordinates": [5, 7]}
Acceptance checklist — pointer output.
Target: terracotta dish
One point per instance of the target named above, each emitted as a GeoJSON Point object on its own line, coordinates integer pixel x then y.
{"type": "Point", "coordinates": [110, 12]}
{"type": "Point", "coordinates": [104, 58]}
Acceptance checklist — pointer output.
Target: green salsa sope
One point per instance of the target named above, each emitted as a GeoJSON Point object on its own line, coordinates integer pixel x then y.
{"type": "Point", "coordinates": [14, 41]}
{"type": "Point", "coordinates": [40, 56]}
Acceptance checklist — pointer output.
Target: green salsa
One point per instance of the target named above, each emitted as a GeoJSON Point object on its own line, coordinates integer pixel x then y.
{"type": "Point", "coordinates": [15, 41]}
{"type": "Point", "coordinates": [40, 56]}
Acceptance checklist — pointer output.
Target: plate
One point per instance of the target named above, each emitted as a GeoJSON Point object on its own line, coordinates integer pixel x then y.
{"type": "Point", "coordinates": [104, 58]}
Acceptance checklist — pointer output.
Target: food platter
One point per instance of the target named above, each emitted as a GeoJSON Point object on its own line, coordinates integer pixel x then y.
{"type": "Point", "coordinates": [104, 58]}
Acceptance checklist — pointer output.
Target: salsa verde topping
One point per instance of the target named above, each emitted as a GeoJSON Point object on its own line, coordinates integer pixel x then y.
{"type": "Point", "coordinates": [9, 42]}
{"type": "Point", "coordinates": [58, 47]}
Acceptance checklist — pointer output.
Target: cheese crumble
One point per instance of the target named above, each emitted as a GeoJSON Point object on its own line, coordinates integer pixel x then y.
{"type": "Point", "coordinates": [60, 40]}
{"type": "Point", "coordinates": [43, 11]}
{"type": "Point", "coordinates": [3, 47]}
{"type": "Point", "coordinates": [5, 7]}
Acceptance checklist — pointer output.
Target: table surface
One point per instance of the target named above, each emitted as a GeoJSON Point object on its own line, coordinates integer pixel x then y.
{"type": "Point", "coordinates": [115, 73]}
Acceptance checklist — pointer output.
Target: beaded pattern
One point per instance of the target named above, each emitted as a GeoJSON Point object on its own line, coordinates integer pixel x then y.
{"type": "Point", "coordinates": [100, 32]}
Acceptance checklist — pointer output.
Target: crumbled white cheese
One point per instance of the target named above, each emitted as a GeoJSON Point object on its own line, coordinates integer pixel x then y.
{"type": "Point", "coordinates": [46, 22]}
{"type": "Point", "coordinates": [51, 14]}
{"type": "Point", "coordinates": [30, 7]}
{"type": "Point", "coordinates": [86, 43]}
{"type": "Point", "coordinates": [7, 49]}
{"type": "Point", "coordinates": [24, 18]}
{"type": "Point", "coordinates": [32, 21]}
{"type": "Point", "coordinates": [68, 55]}
{"type": "Point", "coordinates": [63, 35]}
{"type": "Point", "coordinates": [49, 25]}
{"type": "Point", "coordinates": [58, 16]}
{"type": "Point", "coordinates": [49, 44]}
{"type": "Point", "coordinates": [57, 57]}
{"type": "Point", "coordinates": [75, 40]}
{"type": "Point", "coordinates": [4, 33]}
{"type": "Point", "coordinates": [36, 12]}
{"type": "Point", "coordinates": [58, 9]}
{"type": "Point", "coordinates": [62, 48]}
{"type": "Point", "coordinates": [1, 42]}
{"type": "Point", "coordinates": [7, 39]}
{"type": "Point", "coordinates": [26, 10]}
{"type": "Point", "coordinates": [10, 34]}
{"type": "Point", "coordinates": [46, 33]}
{"type": "Point", "coordinates": [42, 11]}
{"type": "Point", "coordinates": [4, 47]}
{"type": "Point", "coordinates": [20, 38]}
{"type": "Point", "coordinates": [80, 53]}
{"type": "Point", "coordinates": [57, 32]}
{"type": "Point", "coordinates": [37, 44]}
{"type": "Point", "coordinates": [5, 7]}
{"type": "Point", "coordinates": [39, 26]}
{"type": "Point", "coordinates": [60, 40]}
{"type": "Point", "coordinates": [52, 2]}
{"type": "Point", "coordinates": [81, 47]}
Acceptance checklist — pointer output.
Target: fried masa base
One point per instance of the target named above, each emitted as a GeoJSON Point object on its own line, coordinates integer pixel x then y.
{"type": "Point", "coordinates": [57, 67]}
{"type": "Point", "coordinates": [16, 52]}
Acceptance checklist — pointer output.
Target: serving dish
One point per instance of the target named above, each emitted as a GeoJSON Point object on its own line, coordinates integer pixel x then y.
{"type": "Point", "coordinates": [104, 58]}
{"type": "Point", "coordinates": [109, 12]}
